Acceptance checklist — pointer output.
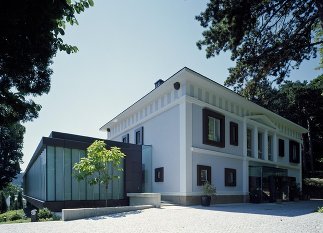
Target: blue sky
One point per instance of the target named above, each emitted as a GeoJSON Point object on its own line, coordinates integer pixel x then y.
{"type": "Point", "coordinates": [125, 46]}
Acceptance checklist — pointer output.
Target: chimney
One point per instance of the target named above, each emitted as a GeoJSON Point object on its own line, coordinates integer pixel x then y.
{"type": "Point", "coordinates": [158, 83]}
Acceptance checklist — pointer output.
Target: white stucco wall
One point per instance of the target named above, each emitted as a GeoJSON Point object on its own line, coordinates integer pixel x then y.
{"type": "Point", "coordinates": [218, 164]}
{"type": "Point", "coordinates": [162, 132]}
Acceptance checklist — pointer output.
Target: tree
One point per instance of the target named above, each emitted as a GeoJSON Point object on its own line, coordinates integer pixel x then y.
{"type": "Point", "coordinates": [95, 168]}
{"type": "Point", "coordinates": [30, 36]}
{"type": "Point", "coordinates": [11, 144]}
{"type": "Point", "coordinates": [3, 203]}
{"type": "Point", "coordinates": [266, 38]}
{"type": "Point", "coordinates": [19, 200]}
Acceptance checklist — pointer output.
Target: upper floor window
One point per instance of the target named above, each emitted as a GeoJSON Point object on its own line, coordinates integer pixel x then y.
{"type": "Point", "coordinates": [213, 128]}
{"type": "Point", "coordinates": [281, 146]}
{"type": "Point", "coordinates": [260, 145]}
{"type": "Point", "coordinates": [234, 134]}
{"type": "Point", "coordinates": [125, 138]}
{"type": "Point", "coordinates": [139, 136]}
{"type": "Point", "coordinates": [294, 152]}
{"type": "Point", "coordinates": [249, 138]}
{"type": "Point", "coordinates": [270, 147]}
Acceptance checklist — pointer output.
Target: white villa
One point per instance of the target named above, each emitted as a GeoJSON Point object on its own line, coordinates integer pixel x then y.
{"type": "Point", "coordinates": [201, 131]}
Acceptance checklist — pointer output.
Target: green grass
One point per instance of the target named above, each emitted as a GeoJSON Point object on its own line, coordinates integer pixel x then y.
{"type": "Point", "coordinates": [13, 216]}
{"type": "Point", "coordinates": [320, 210]}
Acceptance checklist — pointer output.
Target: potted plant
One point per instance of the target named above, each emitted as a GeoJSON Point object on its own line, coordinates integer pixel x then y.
{"type": "Point", "coordinates": [208, 191]}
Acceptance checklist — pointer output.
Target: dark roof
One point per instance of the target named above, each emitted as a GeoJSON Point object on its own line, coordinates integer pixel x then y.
{"type": "Point", "coordinates": [73, 141]}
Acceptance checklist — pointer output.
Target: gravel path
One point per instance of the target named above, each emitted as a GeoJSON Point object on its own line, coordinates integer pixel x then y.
{"type": "Point", "coordinates": [270, 217]}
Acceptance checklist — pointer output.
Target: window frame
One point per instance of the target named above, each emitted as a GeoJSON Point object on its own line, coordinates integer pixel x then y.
{"type": "Point", "coordinates": [141, 131]}
{"type": "Point", "coordinates": [281, 147]}
{"type": "Point", "coordinates": [234, 133]}
{"type": "Point", "coordinates": [209, 113]}
{"type": "Point", "coordinates": [249, 150]}
{"type": "Point", "coordinates": [292, 145]}
{"type": "Point", "coordinates": [270, 147]}
{"type": "Point", "coordinates": [227, 174]}
{"type": "Point", "coordinates": [126, 137]}
{"type": "Point", "coordinates": [260, 145]}
{"type": "Point", "coordinates": [160, 171]}
{"type": "Point", "coordinates": [201, 168]}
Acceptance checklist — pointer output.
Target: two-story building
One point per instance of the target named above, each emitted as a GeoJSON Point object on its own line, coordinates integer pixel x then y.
{"type": "Point", "coordinates": [202, 131]}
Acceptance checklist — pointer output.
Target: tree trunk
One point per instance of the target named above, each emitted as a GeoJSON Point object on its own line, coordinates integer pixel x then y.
{"type": "Point", "coordinates": [305, 153]}
{"type": "Point", "coordinates": [310, 144]}
{"type": "Point", "coordinates": [106, 195]}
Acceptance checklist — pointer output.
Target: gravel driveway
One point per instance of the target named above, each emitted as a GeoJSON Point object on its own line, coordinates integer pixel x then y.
{"type": "Point", "coordinates": [270, 217]}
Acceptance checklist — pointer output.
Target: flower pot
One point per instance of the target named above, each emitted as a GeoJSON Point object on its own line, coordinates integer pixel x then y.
{"type": "Point", "coordinates": [205, 200]}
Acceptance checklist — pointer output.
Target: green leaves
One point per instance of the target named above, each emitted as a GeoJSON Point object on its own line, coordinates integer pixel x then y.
{"type": "Point", "coordinates": [98, 165]}
{"type": "Point", "coordinates": [266, 38]}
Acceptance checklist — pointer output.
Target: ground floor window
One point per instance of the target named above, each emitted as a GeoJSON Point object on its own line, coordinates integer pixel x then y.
{"type": "Point", "coordinates": [203, 174]}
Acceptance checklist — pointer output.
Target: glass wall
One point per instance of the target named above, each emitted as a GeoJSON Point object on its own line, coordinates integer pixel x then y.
{"type": "Point", "coordinates": [268, 183]}
{"type": "Point", "coordinates": [61, 184]}
{"type": "Point", "coordinates": [147, 169]}
{"type": "Point", "coordinates": [35, 179]}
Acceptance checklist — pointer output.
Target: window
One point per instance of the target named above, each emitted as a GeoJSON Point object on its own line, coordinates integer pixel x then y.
{"type": "Point", "coordinates": [125, 138]}
{"type": "Point", "coordinates": [230, 177]}
{"type": "Point", "coordinates": [281, 145]}
{"type": "Point", "coordinates": [203, 174]}
{"type": "Point", "coordinates": [159, 174]}
{"type": "Point", "coordinates": [249, 136]}
{"type": "Point", "coordinates": [293, 152]}
{"type": "Point", "coordinates": [270, 147]}
{"type": "Point", "coordinates": [260, 145]}
{"type": "Point", "coordinates": [139, 136]}
{"type": "Point", "coordinates": [234, 133]}
{"type": "Point", "coordinates": [213, 128]}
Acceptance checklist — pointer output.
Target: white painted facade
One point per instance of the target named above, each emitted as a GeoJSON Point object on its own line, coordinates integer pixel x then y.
{"type": "Point", "coordinates": [172, 125]}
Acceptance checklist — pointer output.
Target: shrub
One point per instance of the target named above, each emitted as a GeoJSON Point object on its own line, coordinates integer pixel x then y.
{"type": "Point", "coordinates": [313, 187]}
{"type": "Point", "coordinates": [15, 217]}
{"type": "Point", "coordinates": [209, 189]}
{"type": "Point", "coordinates": [3, 218]}
{"type": "Point", "coordinates": [320, 209]}
{"type": "Point", "coordinates": [44, 214]}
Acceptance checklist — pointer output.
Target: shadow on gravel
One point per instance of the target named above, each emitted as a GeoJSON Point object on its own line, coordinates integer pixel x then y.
{"type": "Point", "coordinates": [287, 209]}
{"type": "Point", "coordinates": [117, 215]}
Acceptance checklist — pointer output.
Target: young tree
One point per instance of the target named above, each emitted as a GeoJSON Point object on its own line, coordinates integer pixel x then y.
{"type": "Point", "coordinates": [266, 38]}
{"type": "Point", "coordinates": [95, 167]}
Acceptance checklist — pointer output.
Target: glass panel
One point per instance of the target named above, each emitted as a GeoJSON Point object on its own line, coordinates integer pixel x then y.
{"type": "Point", "coordinates": [67, 174]}
{"type": "Point", "coordinates": [50, 173]}
{"type": "Point", "coordinates": [203, 175]}
{"type": "Point", "coordinates": [270, 155]}
{"type": "Point", "coordinates": [75, 183]}
{"type": "Point", "coordinates": [147, 168]}
{"type": "Point", "coordinates": [294, 152]}
{"type": "Point", "coordinates": [59, 174]}
{"type": "Point", "coordinates": [138, 137]}
{"type": "Point", "coordinates": [214, 129]}
{"type": "Point", "coordinates": [82, 183]}
{"type": "Point", "coordinates": [260, 136]}
{"type": "Point", "coordinates": [249, 142]}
